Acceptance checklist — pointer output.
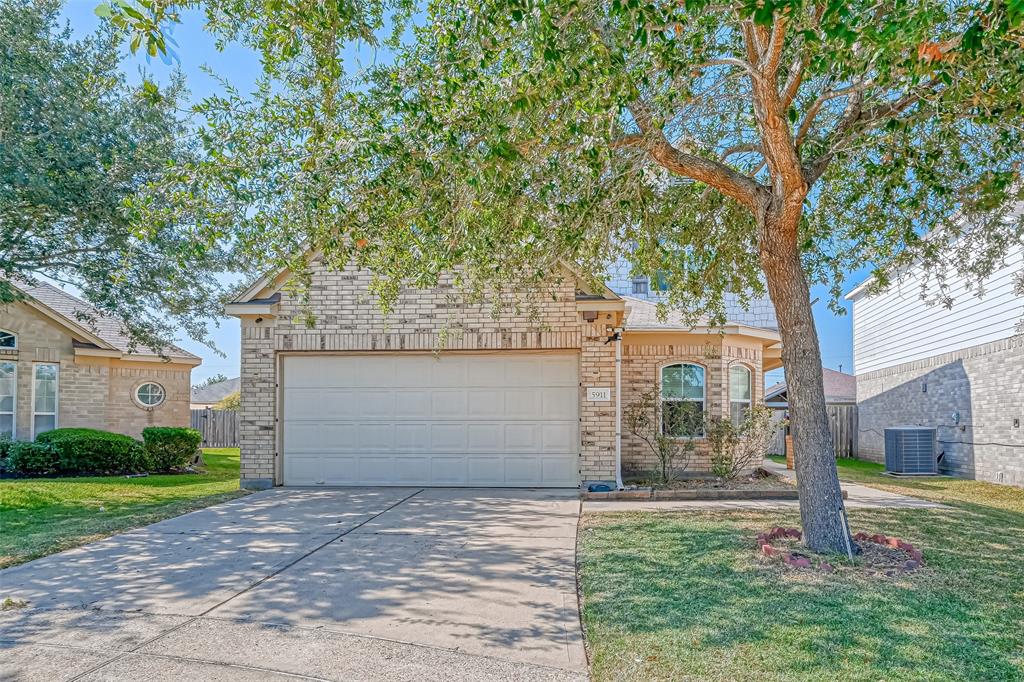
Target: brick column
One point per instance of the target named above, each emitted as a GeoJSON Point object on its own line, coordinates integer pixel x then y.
{"type": "Point", "coordinates": [256, 429]}
{"type": "Point", "coordinates": [597, 419]}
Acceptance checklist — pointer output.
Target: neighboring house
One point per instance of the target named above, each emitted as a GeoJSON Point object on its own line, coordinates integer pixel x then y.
{"type": "Point", "coordinates": [64, 364]}
{"type": "Point", "coordinates": [840, 404]}
{"type": "Point", "coordinates": [959, 369]}
{"type": "Point", "coordinates": [523, 398]}
{"type": "Point", "coordinates": [840, 389]}
{"type": "Point", "coordinates": [204, 397]}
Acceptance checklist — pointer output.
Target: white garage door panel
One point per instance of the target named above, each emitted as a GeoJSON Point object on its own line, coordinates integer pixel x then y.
{"type": "Point", "coordinates": [476, 420]}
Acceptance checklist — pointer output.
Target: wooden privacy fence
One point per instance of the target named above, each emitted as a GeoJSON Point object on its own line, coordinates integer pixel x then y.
{"type": "Point", "coordinates": [842, 421]}
{"type": "Point", "coordinates": [219, 427]}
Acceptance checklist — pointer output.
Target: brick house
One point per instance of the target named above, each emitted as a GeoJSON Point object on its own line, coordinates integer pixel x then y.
{"type": "Point", "coordinates": [959, 369]}
{"type": "Point", "coordinates": [450, 393]}
{"type": "Point", "coordinates": [65, 364]}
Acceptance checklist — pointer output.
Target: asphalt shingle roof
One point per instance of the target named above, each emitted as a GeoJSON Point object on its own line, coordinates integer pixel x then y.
{"type": "Point", "coordinates": [840, 387]}
{"type": "Point", "coordinates": [214, 393]}
{"type": "Point", "coordinates": [641, 314]}
{"type": "Point", "coordinates": [109, 329]}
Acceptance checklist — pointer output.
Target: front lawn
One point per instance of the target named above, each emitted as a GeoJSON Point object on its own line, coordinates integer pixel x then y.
{"type": "Point", "coordinates": [40, 516]}
{"type": "Point", "coordinates": [685, 595]}
{"type": "Point", "coordinates": [958, 491]}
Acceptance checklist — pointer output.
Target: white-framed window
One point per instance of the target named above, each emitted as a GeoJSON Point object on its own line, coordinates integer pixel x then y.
{"type": "Point", "coordinates": [8, 398]}
{"type": "Point", "coordinates": [45, 388]}
{"type": "Point", "coordinates": [739, 393]}
{"type": "Point", "coordinates": [641, 285]}
{"type": "Point", "coordinates": [8, 340]}
{"type": "Point", "coordinates": [682, 400]}
{"type": "Point", "coordinates": [150, 394]}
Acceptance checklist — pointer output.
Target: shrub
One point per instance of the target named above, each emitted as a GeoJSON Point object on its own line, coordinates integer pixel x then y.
{"type": "Point", "coordinates": [736, 448]}
{"type": "Point", "coordinates": [170, 447]}
{"type": "Point", "coordinates": [32, 459]}
{"type": "Point", "coordinates": [91, 451]}
{"type": "Point", "coordinates": [649, 421]}
{"type": "Point", "coordinates": [6, 443]}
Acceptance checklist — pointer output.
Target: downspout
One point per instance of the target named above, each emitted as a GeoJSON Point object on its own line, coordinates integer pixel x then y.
{"type": "Point", "coordinates": [618, 410]}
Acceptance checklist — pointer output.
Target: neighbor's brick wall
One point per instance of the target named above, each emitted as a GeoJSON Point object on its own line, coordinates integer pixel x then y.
{"type": "Point", "coordinates": [94, 392]}
{"type": "Point", "coordinates": [346, 317]}
{"type": "Point", "coordinates": [124, 415]}
{"type": "Point", "coordinates": [641, 370]}
{"type": "Point", "coordinates": [984, 383]}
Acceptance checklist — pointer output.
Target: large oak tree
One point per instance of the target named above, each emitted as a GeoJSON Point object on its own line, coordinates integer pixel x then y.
{"type": "Point", "coordinates": [76, 140]}
{"type": "Point", "coordinates": [734, 148]}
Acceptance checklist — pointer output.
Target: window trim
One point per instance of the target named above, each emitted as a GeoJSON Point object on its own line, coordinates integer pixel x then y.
{"type": "Point", "coordinates": [703, 401]}
{"type": "Point", "coordinates": [14, 401]}
{"type": "Point", "coordinates": [749, 402]}
{"type": "Point", "coordinates": [143, 405]}
{"type": "Point", "coordinates": [56, 398]}
{"type": "Point", "coordinates": [14, 335]}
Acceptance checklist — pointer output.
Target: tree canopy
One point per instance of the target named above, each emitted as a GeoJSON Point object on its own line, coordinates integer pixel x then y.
{"type": "Point", "coordinates": [735, 148]}
{"type": "Point", "coordinates": [504, 135]}
{"type": "Point", "coordinates": [75, 142]}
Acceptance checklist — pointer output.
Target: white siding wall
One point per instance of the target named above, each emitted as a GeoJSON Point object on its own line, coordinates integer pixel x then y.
{"type": "Point", "coordinates": [896, 326]}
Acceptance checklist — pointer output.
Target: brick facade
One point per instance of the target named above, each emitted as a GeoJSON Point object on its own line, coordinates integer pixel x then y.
{"type": "Point", "coordinates": [642, 363]}
{"type": "Point", "coordinates": [984, 384]}
{"type": "Point", "coordinates": [342, 316]}
{"type": "Point", "coordinates": [93, 392]}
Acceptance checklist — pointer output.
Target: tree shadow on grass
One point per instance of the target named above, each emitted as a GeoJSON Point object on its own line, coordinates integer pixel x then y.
{"type": "Point", "coordinates": [693, 590]}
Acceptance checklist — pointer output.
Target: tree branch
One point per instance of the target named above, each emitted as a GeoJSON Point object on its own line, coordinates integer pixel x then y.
{"type": "Point", "coordinates": [713, 173]}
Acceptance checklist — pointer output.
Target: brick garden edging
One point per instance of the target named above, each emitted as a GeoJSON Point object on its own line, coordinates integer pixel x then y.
{"type": "Point", "coordinates": [708, 494]}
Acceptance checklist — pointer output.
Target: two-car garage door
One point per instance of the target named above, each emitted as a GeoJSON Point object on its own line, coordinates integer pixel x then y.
{"type": "Point", "coordinates": [457, 419]}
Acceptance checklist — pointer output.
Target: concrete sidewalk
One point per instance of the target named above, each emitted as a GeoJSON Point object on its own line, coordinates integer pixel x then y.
{"type": "Point", "coordinates": [858, 497]}
{"type": "Point", "coordinates": [342, 584]}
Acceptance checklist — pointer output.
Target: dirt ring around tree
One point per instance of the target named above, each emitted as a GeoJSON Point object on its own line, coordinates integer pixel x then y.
{"type": "Point", "coordinates": [880, 555]}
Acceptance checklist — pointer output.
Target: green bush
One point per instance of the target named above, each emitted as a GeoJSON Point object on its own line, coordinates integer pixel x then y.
{"type": "Point", "coordinates": [6, 443]}
{"type": "Point", "coordinates": [32, 459]}
{"type": "Point", "coordinates": [170, 447]}
{"type": "Point", "coordinates": [91, 451]}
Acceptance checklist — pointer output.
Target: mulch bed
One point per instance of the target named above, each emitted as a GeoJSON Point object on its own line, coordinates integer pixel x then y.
{"type": "Point", "coordinates": [880, 555]}
{"type": "Point", "coordinates": [760, 480]}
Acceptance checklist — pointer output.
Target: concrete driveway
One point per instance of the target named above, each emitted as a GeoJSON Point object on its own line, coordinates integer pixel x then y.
{"type": "Point", "coordinates": [341, 584]}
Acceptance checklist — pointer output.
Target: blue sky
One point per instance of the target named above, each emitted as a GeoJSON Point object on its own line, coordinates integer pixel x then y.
{"type": "Point", "coordinates": [241, 67]}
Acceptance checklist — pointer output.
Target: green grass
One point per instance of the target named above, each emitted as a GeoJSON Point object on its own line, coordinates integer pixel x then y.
{"type": "Point", "coordinates": [686, 596]}
{"type": "Point", "coordinates": [959, 492]}
{"type": "Point", "coordinates": [40, 516]}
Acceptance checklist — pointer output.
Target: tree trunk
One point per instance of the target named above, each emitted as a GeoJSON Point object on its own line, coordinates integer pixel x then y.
{"type": "Point", "coordinates": [821, 501]}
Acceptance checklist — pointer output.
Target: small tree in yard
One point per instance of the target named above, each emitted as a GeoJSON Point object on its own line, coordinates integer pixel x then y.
{"type": "Point", "coordinates": [736, 448]}
{"type": "Point", "coordinates": [732, 147]}
{"type": "Point", "coordinates": [662, 430]}
{"type": "Point", "coordinates": [232, 401]}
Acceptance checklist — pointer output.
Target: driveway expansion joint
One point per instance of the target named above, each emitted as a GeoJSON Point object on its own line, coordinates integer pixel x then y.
{"type": "Point", "coordinates": [259, 582]}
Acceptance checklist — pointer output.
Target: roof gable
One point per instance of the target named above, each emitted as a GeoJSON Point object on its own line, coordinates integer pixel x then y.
{"type": "Point", "coordinates": [93, 326]}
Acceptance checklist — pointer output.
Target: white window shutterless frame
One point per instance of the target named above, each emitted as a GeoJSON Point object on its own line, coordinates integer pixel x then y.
{"type": "Point", "coordinates": [45, 388]}
{"type": "Point", "coordinates": [740, 393]}
{"type": "Point", "coordinates": [8, 398]}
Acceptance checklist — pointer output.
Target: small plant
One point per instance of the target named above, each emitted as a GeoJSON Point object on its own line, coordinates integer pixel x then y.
{"type": "Point", "coordinates": [648, 420]}
{"type": "Point", "coordinates": [170, 447]}
{"type": "Point", "coordinates": [736, 448]}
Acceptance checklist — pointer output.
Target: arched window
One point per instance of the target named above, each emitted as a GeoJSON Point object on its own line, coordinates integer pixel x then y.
{"type": "Point", "coordinates": [739, 393]}
{"type": "Point", "coordinates": [8, 340]}
{"type": "Point", "coordinates": [682, 400]}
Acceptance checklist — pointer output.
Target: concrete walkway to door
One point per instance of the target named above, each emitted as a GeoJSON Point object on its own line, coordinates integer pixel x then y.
{"type": "Point", "coordinates": [338, 584]}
